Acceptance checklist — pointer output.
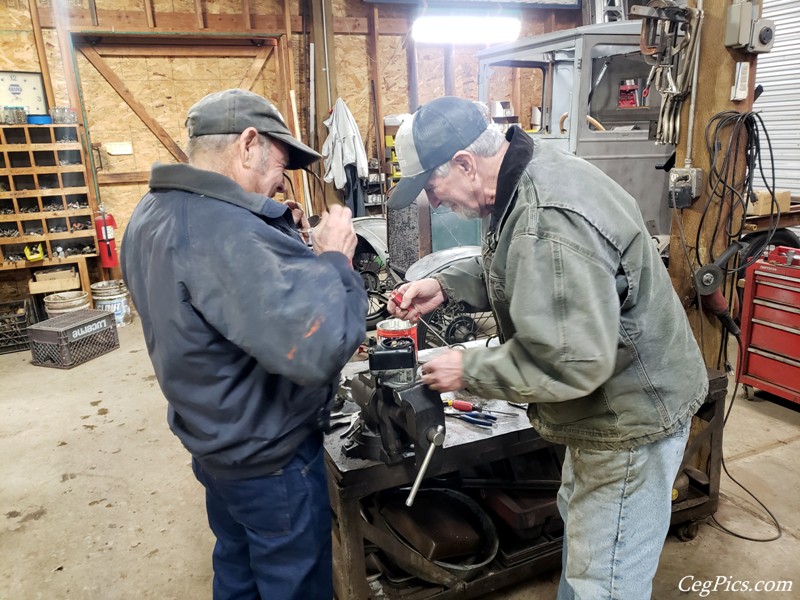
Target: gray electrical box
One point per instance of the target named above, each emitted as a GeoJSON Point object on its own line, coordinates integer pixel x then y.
{"type": "Point", "coordinates": [745, 31]}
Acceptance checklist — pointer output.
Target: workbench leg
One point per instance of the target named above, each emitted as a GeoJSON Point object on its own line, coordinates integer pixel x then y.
{"type": "Point", "coordinates": [352, 583]}
{"type": "Point", "coordinates": [86, 285]}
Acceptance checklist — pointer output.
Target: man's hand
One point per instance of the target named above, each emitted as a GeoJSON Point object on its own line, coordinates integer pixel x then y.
{"type": "Point", "coordinates": [419, 298]}
{"type": "Point", "coordinates": [444, 373]}
{"type": "Point", "coordinates": [299, 218]}
{"type": "Point", "coordinates": [335, 232]}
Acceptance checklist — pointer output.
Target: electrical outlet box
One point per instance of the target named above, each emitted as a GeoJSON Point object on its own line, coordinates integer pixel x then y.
{"type": "Point", "coordinates": [745, 31]}
{"type": "Point", "coordinates": [684, 186]}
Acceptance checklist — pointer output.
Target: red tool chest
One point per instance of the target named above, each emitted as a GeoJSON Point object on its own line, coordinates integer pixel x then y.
{"type": "Point", "coordinates": [770, 359]}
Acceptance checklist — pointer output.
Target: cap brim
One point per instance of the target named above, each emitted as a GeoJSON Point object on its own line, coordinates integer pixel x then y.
{"type": "Point", "coordinates": [407, 190]}
{"type": "Point", "coordinates": [300, 155]}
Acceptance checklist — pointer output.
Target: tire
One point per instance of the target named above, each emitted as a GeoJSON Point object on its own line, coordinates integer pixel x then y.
{"type": "Point", "coordinates": [455, 324]}
{"type": "Point", "coordinates": [377, 281]}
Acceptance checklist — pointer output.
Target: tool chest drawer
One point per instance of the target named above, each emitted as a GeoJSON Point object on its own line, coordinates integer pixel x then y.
{"type": "Point", "coordinates": [770, 358]}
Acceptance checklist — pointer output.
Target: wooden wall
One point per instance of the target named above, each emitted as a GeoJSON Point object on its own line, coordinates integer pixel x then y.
{"type": "Point", "coordinates": [167, 86]}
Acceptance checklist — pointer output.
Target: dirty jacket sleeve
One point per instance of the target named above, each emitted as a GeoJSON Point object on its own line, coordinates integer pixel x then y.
{"type": "Point", "coordinates": [464, 282]}
{"type": "Point", "coordinates": [565, 312]}
{"type": "Point", "coordinates": [300, 315]}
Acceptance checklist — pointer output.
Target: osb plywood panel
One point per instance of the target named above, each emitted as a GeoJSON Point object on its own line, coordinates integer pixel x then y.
{"type": "Point", "coordinates": [271, 7]}
{"type": "Point", "coordinates": [18, 52]}
{"type": "Point", "coordinates": [56, 68]}
{"type": "Point", "coordinates": [131, 5]}
{"type": "Point", "coordinates": [120, 200]}
{"type": "Point", "coordinates": [430, 72]}
{"type": "Point", "coordinates": [350, 8]}
{"type": "Point", "coordinates": [394, 74]}
{"type": "Point", "coordinates": [353, 77]}
{"type": "Point", "coordinates": [14, 15]}
{"type": "Point", "coordinates": [465, 67]}
{"type": "Point", "coordinates": [167, 87]}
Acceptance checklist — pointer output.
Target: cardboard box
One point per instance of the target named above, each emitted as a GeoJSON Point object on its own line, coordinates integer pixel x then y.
{"type": "Point", "coordinates": [762, 204]}
{"type": "Point", "coordinates": [50, 286]}
{"type": "Point", "coordinates": [57, 273]}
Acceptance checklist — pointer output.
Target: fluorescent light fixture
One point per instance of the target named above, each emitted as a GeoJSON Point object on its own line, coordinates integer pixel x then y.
{"type": "Point", "coordinates": [465, 29]}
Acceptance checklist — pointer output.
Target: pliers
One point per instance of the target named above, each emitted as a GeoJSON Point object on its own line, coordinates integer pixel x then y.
{"type": "Point", "coordinates": [475, 418]}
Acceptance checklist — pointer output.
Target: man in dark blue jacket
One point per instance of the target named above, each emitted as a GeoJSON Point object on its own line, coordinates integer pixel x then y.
{"type": "Point", "coordinates": [247, 328]}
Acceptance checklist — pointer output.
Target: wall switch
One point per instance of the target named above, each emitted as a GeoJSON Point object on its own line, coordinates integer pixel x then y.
{"type": "Point", "coordinates": [684, 186]}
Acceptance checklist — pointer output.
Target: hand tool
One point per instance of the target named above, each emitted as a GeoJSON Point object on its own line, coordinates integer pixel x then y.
{"type": "Point", "coordinates": [474, 418]}
{"type": "Point", "coordinates": [397, 298]}
{"type": "Point", "coordinates": [464, 406]}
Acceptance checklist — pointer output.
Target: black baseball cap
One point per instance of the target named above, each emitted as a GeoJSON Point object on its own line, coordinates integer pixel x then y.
{"type": "Point", "coordinates": [429, 139]}
{"type": "Point", "coordinates": [233, 111]}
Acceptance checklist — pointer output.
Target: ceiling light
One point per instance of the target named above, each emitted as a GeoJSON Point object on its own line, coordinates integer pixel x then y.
{"type": "Point", "coordinates": [465, 29]}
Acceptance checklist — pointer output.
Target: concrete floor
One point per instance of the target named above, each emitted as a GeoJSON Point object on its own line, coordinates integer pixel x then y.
{"type": "Point", "coordinates": [98, 501]}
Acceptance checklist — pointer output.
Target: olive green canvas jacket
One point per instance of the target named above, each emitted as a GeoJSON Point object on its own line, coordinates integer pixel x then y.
{"type": "Point", "coordinates": [593, 335]}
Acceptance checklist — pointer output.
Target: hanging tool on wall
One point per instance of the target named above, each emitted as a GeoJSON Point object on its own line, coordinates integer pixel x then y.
{"type": "Point", "coordinates": [669, 42]}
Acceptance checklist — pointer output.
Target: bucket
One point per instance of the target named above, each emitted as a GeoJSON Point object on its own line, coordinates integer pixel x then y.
{"type": "Point", "coordinates": [396, 328]}
{"type": "Point", "coordinates": [64, 302]}
{"type": "Point", "coordinates": [112, 296]}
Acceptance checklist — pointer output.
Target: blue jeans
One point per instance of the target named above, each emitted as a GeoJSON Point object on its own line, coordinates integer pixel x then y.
{"type": "Point", "coordinates": [273, 532]}
{"type": "Point", "coordinates": [616, 507]}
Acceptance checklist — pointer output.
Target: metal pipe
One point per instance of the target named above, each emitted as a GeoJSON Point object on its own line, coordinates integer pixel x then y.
{"type": "Point", "coordinates": [687, 163]}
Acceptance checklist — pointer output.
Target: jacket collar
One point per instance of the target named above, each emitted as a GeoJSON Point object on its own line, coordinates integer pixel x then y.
{"type": "Point", "coordinates": [208, 183]}
{"type": "Point", "coordinates": [518, 155]}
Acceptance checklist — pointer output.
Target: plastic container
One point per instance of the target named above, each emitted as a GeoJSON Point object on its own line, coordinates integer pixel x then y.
{"type": "Point", "coordinates": [71, 339]}
{"type": "Point", "coordinates": [39, 119]}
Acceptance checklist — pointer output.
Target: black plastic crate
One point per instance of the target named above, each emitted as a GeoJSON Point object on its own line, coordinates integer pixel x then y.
{"type": "Point", "coordinates": [73, 338]}
{"type": "Point", "coordinates": [14, 327]}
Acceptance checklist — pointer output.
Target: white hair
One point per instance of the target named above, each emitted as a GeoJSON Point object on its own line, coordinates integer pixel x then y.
{"type": "Point", "coordinates": [214, 146]}
{"type": "Point", "coordinates": [487, 144]}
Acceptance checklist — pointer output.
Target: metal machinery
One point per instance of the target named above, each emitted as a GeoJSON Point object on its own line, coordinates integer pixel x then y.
{"type": "Point", "coordinates": [592, 99]}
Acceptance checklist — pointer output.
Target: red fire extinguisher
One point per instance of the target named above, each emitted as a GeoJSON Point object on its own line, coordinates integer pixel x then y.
{"type": "Point", "coordinates": [104, 225]}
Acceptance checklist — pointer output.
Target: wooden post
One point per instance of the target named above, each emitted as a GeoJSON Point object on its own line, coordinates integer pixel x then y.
{"type": "Point", "coordinates": [325, 91]}
{"type": "Point", "coordinates": [377, 81]}
{"type": "Point", "coordinates": [716, 74]}
{"type": "Point", "coordinates": [413, 83]}
{"type": "Point", "coordinates": [41, 53]}
{"type": "Point", "coordinates": [449, 71]}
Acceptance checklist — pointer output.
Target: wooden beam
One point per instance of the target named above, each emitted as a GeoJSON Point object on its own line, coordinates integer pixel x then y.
{"type": "Point", "coordinates": [119, 86]}
{"type": "Point", "coordinates": [130, 178]}
{"type": "Point", "coordinates": [78, 19]}
{"type": "Point", "coordinates": [93, 12]}
{"type": "Point", "coordinates": [255, 69]}
{"type": "Point", "coordinates": [449, 71]}
{"type": "Point", "coordinates": [715, 76]}
{"type": "Point", "coordinates": [149, 13]}
{"type": "Point", "coordinates": [41, 52]}
{"type": "Point", "coordinates": [373, 55]}
{"type": "Point", "coordinates": [413, 83]}
{"type": "Point", "coordinates": [198, 14]}
{"type": "Point", "coordinates": [516, 93]}
{"type": "Point", "coordinates": [183, 51]}
{"type": "Point", "coordinates": [247, 20]}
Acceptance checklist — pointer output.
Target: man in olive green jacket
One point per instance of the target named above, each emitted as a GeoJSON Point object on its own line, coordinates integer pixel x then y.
{"type": "Point", "coordinates": [592, 334]}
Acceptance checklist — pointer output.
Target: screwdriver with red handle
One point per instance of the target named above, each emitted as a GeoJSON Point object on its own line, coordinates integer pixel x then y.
{"type": "Point", "coordinates": [464, 406]}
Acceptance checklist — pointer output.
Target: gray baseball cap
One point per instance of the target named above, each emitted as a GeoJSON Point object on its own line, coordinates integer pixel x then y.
{"type": "Point", "coordinates": [430, 138]}
{"type": "Point", "coordinates": [233, 111]}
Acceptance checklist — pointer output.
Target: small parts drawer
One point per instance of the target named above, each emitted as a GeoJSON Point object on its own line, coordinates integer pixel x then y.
{"type": "Point", "coordinates": [773, 368]}
{"type": "Point", "coordinates": [776, 288]}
